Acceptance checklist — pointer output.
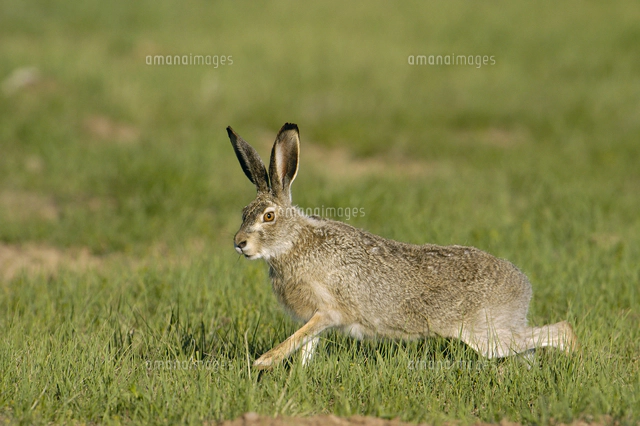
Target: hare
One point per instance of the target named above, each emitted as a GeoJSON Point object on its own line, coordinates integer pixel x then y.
{"type": "Point", "coordinates": [332, 275]}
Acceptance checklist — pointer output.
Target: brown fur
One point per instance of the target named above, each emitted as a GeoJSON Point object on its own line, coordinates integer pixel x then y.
{"type": "Point", "coordinates": [329, 274]}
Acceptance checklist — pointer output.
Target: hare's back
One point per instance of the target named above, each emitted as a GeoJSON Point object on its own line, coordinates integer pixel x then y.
{"type": "Point", "coordinates": [378, 261]}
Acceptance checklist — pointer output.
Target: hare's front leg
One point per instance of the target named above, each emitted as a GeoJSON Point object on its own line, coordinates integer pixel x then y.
{"type": "Point", "coordinates": [306, 336]}
{"type": "Point", "coordinates": [309, 349]}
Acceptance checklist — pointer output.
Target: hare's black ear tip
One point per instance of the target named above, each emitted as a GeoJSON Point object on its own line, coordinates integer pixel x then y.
{"type": "Point", "coordinates": [230, 131]}
{"type": "Point", "coordinates": [289, 126]}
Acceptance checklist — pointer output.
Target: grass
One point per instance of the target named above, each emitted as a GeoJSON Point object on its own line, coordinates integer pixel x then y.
{"type": "Point", "coordinates": [533, 159]}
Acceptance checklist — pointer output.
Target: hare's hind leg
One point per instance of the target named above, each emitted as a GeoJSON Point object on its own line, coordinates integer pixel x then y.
{"type": "Point", "coordinates": [559, 335]}
{"type": "Point", "coordinates": [495, 334]}
{"type": "Point", "coordinates": [492, 342]}
{"type": "Point", "coordinates": [305, 336]}
{"type": "Point", "coordinates": [499, 342]}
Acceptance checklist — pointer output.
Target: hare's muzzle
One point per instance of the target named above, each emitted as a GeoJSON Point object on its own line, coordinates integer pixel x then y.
{"type": "Point", "coordinates": [240, 245]}
{"type": "Point", "coordinates": [243, 245]}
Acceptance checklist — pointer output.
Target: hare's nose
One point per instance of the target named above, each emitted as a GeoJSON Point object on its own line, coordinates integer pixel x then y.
{"type": "Point", "coordinates": [241, 244]}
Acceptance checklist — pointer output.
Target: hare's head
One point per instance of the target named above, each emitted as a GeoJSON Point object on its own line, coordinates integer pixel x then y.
{"type": "Point", "coordinates": [269, 222]}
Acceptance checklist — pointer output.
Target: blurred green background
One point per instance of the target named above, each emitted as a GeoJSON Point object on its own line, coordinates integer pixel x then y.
{"type": "Point", "coordinates": [534, 158]}
{"type": "Point", "coordinates": [123, 153]}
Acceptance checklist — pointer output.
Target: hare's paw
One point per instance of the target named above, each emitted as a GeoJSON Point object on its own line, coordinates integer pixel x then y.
{"type": "Point", "coordinates": [265, 362]}
{"type": "Point", "coordinates": [569, 339]}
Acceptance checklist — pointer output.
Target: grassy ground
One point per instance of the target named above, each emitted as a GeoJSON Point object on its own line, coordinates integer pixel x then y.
{"type": "Point", "coordinates": [121, 172]}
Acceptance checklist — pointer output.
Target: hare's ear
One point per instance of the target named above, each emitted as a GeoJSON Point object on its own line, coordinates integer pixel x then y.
{"type": "Point", "coordinates": [250, 161]}
{"type": "Point", "coordinates": [284, 161]}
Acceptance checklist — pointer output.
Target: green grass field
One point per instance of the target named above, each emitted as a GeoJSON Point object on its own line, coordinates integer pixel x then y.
{"type": "Point", "coordinates": [121, 297]}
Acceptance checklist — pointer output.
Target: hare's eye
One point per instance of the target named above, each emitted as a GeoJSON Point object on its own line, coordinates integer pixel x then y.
{"type": "Point", "coordinates": [269, 216]}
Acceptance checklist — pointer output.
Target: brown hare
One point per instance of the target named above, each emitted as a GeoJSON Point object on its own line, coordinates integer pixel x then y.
{"type": "Point", "coordinates": [332, 275]}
